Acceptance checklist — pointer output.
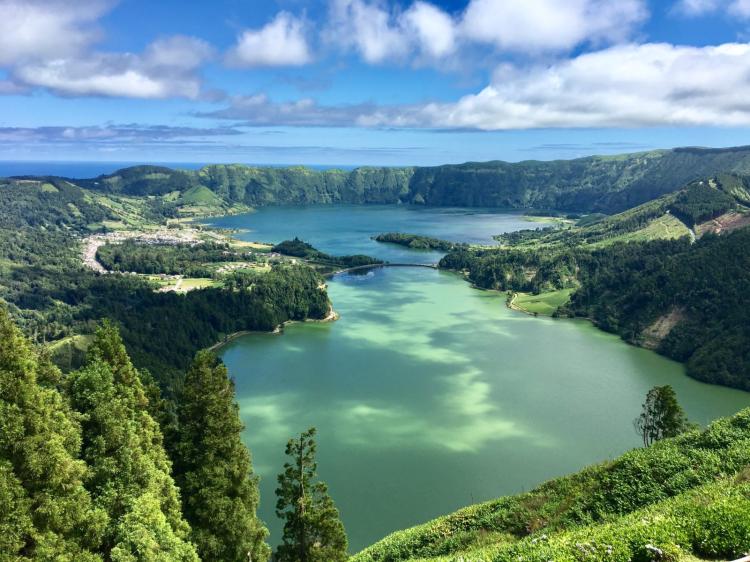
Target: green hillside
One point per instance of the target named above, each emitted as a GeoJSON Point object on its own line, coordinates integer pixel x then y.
{"type": "Point", "coordinates": [593, 184]}
{"type": "Point", "coordinates": [687, 495]}
{"type": "Point", "coordinates": [639, 274]}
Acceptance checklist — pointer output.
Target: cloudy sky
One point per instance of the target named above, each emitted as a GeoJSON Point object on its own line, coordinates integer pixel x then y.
{"type": "Point", "coordinates": [369, 81]}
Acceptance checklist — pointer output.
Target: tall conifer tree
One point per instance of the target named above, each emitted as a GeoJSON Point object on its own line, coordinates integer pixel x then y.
{"type": "Point", "coordinates": [214, 470]}
{"type": "Point", "coordinates": [45, 511]}
{"type": "Point", "coordinates": [129, 469]}
{"type": "Point", "coordinates": [313, 531]}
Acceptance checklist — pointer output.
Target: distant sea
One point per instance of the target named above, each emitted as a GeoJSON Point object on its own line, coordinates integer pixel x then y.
{"type": "Point", "coordinates": [93, 169]}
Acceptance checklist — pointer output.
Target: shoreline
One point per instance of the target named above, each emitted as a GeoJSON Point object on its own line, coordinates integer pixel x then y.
{"type": "Point", "coordinates": [510, 302]}
{"type": "Point", "coordinates": [332, 316]}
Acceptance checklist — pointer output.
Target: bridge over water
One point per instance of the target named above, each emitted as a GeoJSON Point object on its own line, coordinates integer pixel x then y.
{"type": "Point", "coordinates": [377, 265]}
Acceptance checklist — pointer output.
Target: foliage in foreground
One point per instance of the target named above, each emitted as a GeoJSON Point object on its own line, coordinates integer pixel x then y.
{"type": "Point", "coordinates": [712, 521]}
{"type": "Point", "coordinates": [597, 494]}
{"type": "Point", "coordinates": [213, 468]}
{"type": "Point", "coordinates": [313, 531]}
{"type": "Point", "coordinates": [84, 472]}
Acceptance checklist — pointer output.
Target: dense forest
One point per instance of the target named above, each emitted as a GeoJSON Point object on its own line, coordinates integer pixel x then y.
{"type": "Point", "coordinates": [301, 249]}
{"type": "Point", "coordinates": [168, 259]}
{"type": "Point", "coordinates": [593, 184]}
{"type": "Point", "coordinates": [417, 241]}
{"type": "Point", "coordinates": [52, 296]}
{"type": "Point", "coordinates": [697, 289]}
{"type": "Point", "coordinates": [95, 466]}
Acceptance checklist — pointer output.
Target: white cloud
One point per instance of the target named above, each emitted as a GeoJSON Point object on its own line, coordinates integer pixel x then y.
{"type": "Point", "coordinates": [433, 28]}
{"type": "Point", "coordinates": [165, 69]}
{"type": "Point", "coordinates": [178, 52]}
{"type": "Point", "coordinates": [367, 27]}
{"type": "Point", "coordinates": [697, 7]}
{"type": "Point", "coordinates": [623, 86]}
{"type": "Point", "coordinates": [51, 44]}
{"type": "Point", "coordinates": [550, 24]}
{"type": "Point", "coordinates": [281, 42]}
{"type": "Point", "coordinates": [693, 8]}
{"type": "Point", "coordinates": [34, 29]}
{"type": "Point", "coordinates": [110, 134]}
{"type": "Point", "coordinates": [260, 110]}
{"type": "Point", "coordinates": [379, 33]}
{"type": "Point", "coordinates": [653, 84]}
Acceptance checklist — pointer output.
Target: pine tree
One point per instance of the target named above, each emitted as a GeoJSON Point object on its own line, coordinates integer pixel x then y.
{"type": "Point", "coordinates": [661, 416]}
{"type": "Point", "coordinates": [214, 470]}
{"type": "Point", "coordinates": [313, 531]}
{"type": "Point", "coordinates": [129, 469]}
{"type": "Point", "coordinates": [45, 511]}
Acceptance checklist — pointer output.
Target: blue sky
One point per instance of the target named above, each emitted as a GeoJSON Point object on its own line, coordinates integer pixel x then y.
{"type": "Point", "coordinates": [350, 82]}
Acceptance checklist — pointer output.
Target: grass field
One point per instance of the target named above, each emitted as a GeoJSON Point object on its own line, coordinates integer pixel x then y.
{"type": "Point", "coordinates": [77, 341]}
{"type": "Point", "coordinates": [544, 303]}
{"type": "Point", "coordinates": [200, 195]}
{"type": "Point", "coordinates": [192, 283]}
{"type": "Point", "coordinates": [240, 244]}
{"type": "Point", "coordinates": [556, 221]}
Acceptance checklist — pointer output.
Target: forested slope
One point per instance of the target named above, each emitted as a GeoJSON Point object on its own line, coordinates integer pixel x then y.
{"type": "Point", "coordinates": [638, 274]}
{"type": "Point", "coordinates": [52, 296]}
{"type": "Point", "coordinates": [85, 473]}
{"type": "Point", "coordinates": [607, 184]}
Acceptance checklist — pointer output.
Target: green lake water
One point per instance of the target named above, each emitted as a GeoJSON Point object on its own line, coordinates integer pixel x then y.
{"type": "Point", "coordinates": [429, 395]}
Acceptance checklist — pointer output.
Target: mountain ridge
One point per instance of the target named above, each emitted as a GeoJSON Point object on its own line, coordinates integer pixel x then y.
{"type": "Point", "coordinates": [607, 184]}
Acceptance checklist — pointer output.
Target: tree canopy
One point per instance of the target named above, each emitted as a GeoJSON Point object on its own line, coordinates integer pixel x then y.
{"type": "Point", "coordinates": [313, 531]}
{"type": "Point", "coordinates": [213, 468]}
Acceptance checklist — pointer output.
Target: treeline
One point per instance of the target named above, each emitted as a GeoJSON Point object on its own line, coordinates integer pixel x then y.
{"type": "Point", "coordinates": [593, 184]}
{"type": "Point", "coordinates": [168, 259]}
{"type": "Point", "coordinates": [591, 230]}
{"type": "Point", "coordinates": [162, 331]}
{"type": "Point", "coordinates": [51, 205]}
{"type": "Point", "coordinates": [94, 467]}
{"type": "Point", "coordinates": [529, 271]}
{"type": "Point", "coordinates": [417, 242]}
{"type": "Point", "coordinates": [300, 249]}
{"type": "Point", "coordinates": [52, 297]}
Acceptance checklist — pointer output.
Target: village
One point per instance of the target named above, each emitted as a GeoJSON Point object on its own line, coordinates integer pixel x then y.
{"type": "Point", "coordinates": [257, 256]}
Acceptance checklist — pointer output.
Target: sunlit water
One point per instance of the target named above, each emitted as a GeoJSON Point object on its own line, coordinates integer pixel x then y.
{"type": "Point", "coordinates": [429, 395]}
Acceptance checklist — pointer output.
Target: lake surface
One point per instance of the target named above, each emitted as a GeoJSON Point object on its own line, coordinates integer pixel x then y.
{"type": "Point", "coordinates": [348, 229]}
{"type": "Point", "coordinates": [429, 395]}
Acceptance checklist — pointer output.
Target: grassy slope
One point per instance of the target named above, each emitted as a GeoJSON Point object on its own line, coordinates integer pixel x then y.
{"type": "Point", "coordinates": [544, 303]}
{"type": "Point", "coordinates": [664, 227]}
{"type": "Point", "coordinates": [712, 520]}
{"type": "Point", "coordinates": [572, 508]}
{"type": "Point", "coordinates": [648, 221]}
